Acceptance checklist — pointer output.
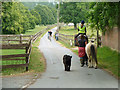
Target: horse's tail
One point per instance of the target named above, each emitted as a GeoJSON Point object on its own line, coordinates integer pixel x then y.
{"type": "Point", "coordinates": [93, 53]}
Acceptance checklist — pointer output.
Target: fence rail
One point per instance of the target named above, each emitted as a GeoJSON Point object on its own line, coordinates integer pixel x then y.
{"type": "Point", "coordinates": [18, 42]}
{"type": "Point", "coordinates": [16, 57]}
{"type": "Point", "coordinates": [69, 39]}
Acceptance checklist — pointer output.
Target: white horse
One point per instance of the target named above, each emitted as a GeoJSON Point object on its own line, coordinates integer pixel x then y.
{"type": "Point", "coordinates": [91, 51]}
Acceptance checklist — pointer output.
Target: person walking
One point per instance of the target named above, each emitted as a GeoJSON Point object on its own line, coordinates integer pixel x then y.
{"type": "Point", "coordinates": [81, 50]}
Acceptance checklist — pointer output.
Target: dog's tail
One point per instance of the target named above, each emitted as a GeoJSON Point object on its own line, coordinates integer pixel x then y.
{"type": "Point", "coordinates": [93, 53]}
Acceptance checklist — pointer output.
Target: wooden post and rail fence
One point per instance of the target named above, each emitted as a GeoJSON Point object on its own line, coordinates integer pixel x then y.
{"type": "Point", "coordinates": [21, 42]}
{"type": "Point", "coordinates": [69, 39]}
{"type": "Point", "coordinates": [17, 44]}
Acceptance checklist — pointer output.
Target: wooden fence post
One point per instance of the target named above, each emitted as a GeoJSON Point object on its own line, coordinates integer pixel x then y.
{"type": "Point", "coordinates": [27, 58]}
{"type": "Point", "coordinates": [20, 38]}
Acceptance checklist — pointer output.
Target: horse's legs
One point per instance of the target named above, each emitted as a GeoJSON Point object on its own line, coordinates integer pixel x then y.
{"type": "Point", "coordinates": [95, 65]}
{"type": "Point", "coordinates": [89, 62]}
{"type": "Point", "coordinates": [92, 62]}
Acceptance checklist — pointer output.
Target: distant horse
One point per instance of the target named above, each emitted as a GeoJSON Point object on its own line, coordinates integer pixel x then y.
{"type": "Point", "coordinates": [91, 51]}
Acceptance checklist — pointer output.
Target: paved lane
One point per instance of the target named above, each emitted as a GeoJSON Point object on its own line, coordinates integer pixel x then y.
{"type": "Point", "coordinates": [78, 77]}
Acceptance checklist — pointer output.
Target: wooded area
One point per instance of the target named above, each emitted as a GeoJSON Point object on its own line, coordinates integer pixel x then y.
{"type": "Point", "coordinates": [17, 18]}
{"type": "Point", "coordinates": [100, 15]}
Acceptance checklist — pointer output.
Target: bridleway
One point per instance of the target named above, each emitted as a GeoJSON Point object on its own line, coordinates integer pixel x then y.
{"type": "Point", "coordinates": [78, 77]}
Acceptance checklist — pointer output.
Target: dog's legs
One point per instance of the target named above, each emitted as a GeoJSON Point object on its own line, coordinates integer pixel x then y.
{"type": "Point", "coordinates": [65, 67]}
{"type": "Point", "coordinates": [68, 68]}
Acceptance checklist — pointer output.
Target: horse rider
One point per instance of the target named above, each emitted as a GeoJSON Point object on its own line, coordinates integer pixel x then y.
{"type": "Point", "coordinates": [82, 28]}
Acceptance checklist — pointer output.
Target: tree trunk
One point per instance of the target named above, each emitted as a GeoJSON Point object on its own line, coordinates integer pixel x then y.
{"type": "Point", "coordinates": [75, 26]}
{"type": "Point", "coordinates": [97, 38]}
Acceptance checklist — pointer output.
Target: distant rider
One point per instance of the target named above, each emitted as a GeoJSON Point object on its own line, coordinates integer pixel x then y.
{"type": "Point", "coordinates": [49, 35]}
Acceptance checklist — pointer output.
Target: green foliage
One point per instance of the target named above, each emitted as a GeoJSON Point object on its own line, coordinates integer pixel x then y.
{"type": "Point", "coordinates": [104, 15]}
{"type": "Point", "coordinates": [47, 16]}
{"type": "Point", "coordinates": [16, 18]}
{"type": "Point", "coordinates": [72, 12]}
{"type": "Point", "coordinates": [31, 5]}
{"type": "Point", "coordinates": [37, 16]}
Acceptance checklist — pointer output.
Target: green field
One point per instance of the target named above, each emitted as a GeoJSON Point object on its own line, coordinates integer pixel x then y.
{"type": "Point", "coordinates": [107, 58]}
{"type": "Point", "coordinates": [37, 62]}
{"type": "Point", "coordinates": [69, 30]}
{"type": "Point", "coordinates": [34, 31]}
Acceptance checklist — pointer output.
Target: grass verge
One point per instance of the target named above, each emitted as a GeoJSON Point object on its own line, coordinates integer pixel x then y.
{"type": "Point", "coordinates": [108, 60]}
{"type": "Point", "coordinates": [37, 60]}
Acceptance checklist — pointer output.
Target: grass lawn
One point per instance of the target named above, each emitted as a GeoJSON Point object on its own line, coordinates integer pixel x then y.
{"type": "Point", "coordinates": [37, 61]}
{"type": "Point", "coordinates": [107, 58]}
{"type": "Point", "coordinates": [34, 31]}
{"type": "Point", "coordinates": [69, 30]}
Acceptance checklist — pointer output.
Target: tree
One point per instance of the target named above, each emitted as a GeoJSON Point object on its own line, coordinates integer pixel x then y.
{"type": "Point", "coordinates": [103, 16]}
{"type": "Point", "coordinates": [10, 18]}
{"type": "Point", "coordinates": [46, 14]}
{"type": "Point", "coordinates": [72, 12]}
{"type": "Point", "coordinates": [37, 16]}
{"type": "Point", "coordinates": [16, 18]}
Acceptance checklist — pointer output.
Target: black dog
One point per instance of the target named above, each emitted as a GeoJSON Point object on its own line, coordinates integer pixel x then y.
{"type": "Point", "coordinates": [67, 62]}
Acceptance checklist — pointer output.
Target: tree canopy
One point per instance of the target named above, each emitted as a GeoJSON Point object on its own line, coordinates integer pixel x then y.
{"type": "Point", "coordinates": [73, 12]}
{"type": "Point", "coordinates": [104, 15]}
{"type": "Point", "coordinates": [48, 16]}
{"type": "Point", "coordinates": [16, 18]}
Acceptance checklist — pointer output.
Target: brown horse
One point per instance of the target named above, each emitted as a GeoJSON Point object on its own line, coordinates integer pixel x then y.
{"type": "Point", "coordinates": [77, 37]}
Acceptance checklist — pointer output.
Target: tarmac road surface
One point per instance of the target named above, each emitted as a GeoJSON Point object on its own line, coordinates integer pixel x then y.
{"type": "Point", "coordinates": [78, 77]}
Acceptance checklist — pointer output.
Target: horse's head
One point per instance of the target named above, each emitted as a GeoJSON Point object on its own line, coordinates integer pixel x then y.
{"type": "Point", "coordinates": [92, 41]}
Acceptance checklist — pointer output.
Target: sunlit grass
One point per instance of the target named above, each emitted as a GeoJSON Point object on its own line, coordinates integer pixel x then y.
{"type": "Point", "coordinates": [35, 30]}
{"type": "Point", "coordinates": [69, 30]}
